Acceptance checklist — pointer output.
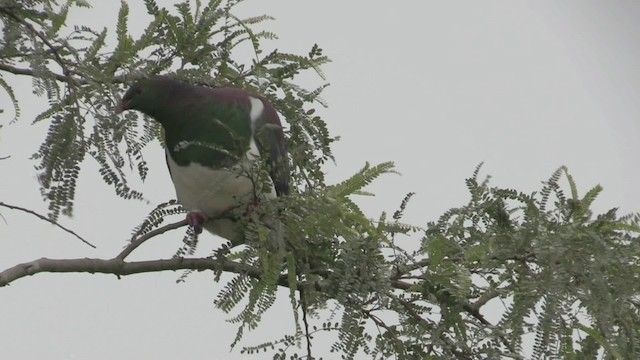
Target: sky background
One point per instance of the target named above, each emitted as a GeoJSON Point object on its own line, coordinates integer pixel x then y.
{"type": "Point", "coordinates": [436, 86]}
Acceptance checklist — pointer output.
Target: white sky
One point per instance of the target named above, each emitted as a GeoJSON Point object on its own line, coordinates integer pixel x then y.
{"type": "Point", "coordinates": [435, 86]}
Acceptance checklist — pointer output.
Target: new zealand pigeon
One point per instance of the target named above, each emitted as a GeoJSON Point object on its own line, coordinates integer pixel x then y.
{"type": "Point", "coordinates": [212, 136]}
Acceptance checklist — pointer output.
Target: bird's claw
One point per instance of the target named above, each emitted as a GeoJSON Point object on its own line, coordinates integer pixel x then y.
{"type": "Point", "coordinates": [196, 219]}
{"type": "Point", "coordinates": [252, 207]}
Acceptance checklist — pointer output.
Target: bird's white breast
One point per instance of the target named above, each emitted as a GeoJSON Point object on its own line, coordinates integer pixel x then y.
{"type": "Point", "coordinates": [215, 191]}
{"type": "Point", "coordinates": [212, 191]}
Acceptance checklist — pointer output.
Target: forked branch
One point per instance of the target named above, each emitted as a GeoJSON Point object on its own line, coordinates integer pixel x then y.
{"type": "Point", "coordinates": [120, 267]}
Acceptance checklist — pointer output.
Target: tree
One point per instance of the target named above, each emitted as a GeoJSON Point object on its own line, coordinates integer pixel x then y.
{"type": "Point", "coordinates": [564, 274]}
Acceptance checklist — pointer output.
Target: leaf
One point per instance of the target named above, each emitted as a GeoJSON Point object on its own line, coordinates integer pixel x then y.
{"type": "Point", "coordinates": [436, 246]}
{"type": "Point", "coordinates": [361, 179]}
{"type": "Point", "coordinates": [601, 340]}
{"type": "Point", "coordinates": [476, 253]}
{"type": "Point", "coordinates": [12, 96]}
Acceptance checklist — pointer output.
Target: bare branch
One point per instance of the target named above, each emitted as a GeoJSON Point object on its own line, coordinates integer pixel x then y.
{"type": "Point", "coordinates": [484, 298]}
{"type": "Point", "coordinates": [42, 217]}
{"type": "Point", "coordinates": [119, 267]}
{"type": "Point", "coordinates": [305, 321]}
{"type": "Point", "coordinates": [27, 71]}
{"type": "Point", "coordinates": [398, 344]}
{"type": "Point", "coordinates": [137, 242]}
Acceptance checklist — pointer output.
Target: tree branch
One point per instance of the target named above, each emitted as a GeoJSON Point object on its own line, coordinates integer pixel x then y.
{"type": "Point", "coordinates": [397, 343]}
{"type": "Point", "coordinates": [42, 217]}
{"type": "Point", "coordinates": [119, 267]}
{"type": "Point", "coordinates": [447, 298]}
{"type": "Point", "coordinates": [54, 49]}
{"type": "Point", "coordinates": [29, 72]}
{"type": "Point", "coordinates": [137, 242]}
{"type": "Point", "coordinates": [417, 318]}
{"type": "Point", "coordinates": [484, 298]}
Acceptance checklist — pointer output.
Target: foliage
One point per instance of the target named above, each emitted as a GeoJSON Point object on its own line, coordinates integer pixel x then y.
{"type": "Point", "coordinates": [196, 43]}
{"type": "Point", "coordinates": [557, 274]}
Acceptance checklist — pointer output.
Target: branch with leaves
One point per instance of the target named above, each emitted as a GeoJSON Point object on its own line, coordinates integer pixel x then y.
{"type": "Point", "coordinates": [357, 275]}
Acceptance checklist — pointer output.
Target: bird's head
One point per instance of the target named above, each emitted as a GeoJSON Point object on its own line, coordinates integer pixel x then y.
{"type": "Point", "coordinates": [147, 95]}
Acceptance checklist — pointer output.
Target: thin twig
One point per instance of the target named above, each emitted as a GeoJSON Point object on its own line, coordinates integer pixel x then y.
{"type": "Point", "coordinates": [42, 217]}
{"type": "Point", "coordinates": [484, 298]}
{"type": "Point", "coordinates": [452, 347]}
{"type": "Point", "coordinates": [390, 329]}
{"type": "Point", "coordinates": [303, 303]}
{"type": "Point", "coordinates": [54, 49]}
{"type": "Point", "coordinates": [29, 72]}
{"type": "Point", "coordinates": [137, 242]}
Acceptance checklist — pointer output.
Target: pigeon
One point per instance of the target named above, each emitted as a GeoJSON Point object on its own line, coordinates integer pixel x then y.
{"type": "Point", "coordinates": [212, 137]}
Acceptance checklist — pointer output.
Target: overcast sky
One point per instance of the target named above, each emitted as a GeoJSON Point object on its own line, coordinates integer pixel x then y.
{"type": "Point", "coordinates": [436, 86]}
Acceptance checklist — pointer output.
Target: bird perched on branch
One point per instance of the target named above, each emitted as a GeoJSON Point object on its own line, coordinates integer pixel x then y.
{"type": "Point", "coordinates": [213, 136]}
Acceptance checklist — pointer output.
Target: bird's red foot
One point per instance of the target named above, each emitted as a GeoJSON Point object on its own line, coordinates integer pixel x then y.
{"type": "Point", "coordinates": [252, 207]}
{"type": "Point", "coordinates": [197, 220]}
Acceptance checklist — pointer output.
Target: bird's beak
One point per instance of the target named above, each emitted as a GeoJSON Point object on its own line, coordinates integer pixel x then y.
{"type": "Point", "coordinates": [122, 106]}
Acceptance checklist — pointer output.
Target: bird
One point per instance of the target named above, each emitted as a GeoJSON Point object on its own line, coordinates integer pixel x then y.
{"type": "Point", "coordinates": [212, 136]}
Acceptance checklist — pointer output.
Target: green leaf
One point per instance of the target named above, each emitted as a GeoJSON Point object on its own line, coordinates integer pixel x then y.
{"type": "Point", "coordinates": [436, 249]}
{"type": "Point", "coordinates": [610, 349]}
{"type": "Point", "coordinates": [476, 253]}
